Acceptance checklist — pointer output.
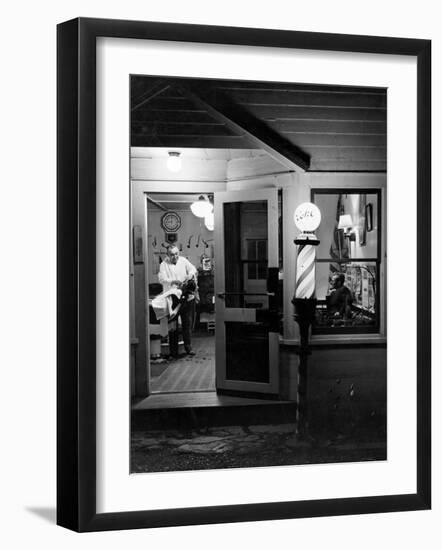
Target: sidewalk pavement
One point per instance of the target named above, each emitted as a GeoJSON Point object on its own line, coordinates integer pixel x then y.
{"type": "Point", "coordinates": [243, 446]}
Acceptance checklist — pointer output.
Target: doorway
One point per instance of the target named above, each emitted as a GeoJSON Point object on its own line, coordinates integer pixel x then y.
{"type": "Point", "coordinates": [172, 224]}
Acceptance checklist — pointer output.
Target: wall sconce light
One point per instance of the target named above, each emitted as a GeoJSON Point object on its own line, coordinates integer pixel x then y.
{"type": "Point", "coordinates": [346, 224]}
{"type": "Point", "coordinates": [174, 161]}
{"type": "Point", "coordinates": [201, 208]}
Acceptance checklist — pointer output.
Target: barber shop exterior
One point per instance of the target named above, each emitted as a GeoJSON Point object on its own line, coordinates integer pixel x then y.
{"type": "Point", "coordinates": [254, 152]}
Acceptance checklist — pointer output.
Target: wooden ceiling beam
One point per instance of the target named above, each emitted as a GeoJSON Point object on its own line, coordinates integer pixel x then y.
{"type": "Point", "coordinates": [241, 122]}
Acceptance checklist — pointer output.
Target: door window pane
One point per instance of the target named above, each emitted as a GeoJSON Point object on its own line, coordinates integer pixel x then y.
{"type": "Point", "coordinates": [256, 259]}
{"type": "Point", "coordinates": [245, 268]}
{"type": "Point", "coordinates": [247, 352]}
{"type": "Point", "coordinates": [245, 252]}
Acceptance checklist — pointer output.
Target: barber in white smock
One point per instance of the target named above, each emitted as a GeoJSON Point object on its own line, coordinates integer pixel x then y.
{"type": "Point", "coordinates": [174, 272]}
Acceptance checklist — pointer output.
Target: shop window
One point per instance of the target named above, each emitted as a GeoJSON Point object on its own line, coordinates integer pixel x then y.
{"type": "Point", "coordinates": [348, 261]}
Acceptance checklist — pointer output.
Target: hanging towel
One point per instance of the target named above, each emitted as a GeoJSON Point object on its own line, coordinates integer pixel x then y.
{"type": "Point", "coordinates": [163, 303]}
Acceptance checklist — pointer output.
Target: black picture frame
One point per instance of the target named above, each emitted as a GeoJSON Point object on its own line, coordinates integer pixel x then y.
{"type": "Point", "coordinates": [76, 272]}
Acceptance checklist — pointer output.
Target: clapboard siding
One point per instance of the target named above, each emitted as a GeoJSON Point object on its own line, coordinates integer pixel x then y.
{"type": "Point", "coordinates": [201, 142]}
{"type": "Point", "coordinates": [267, 113]}
{"type": "Point", "coordinates": [318, 99]}
{"type": "Point", "coordinates": [170, 104]}
{"type": "Point", "coordinates": [312, 112]}
{"type": "Point", "coordinates": [348, 153]}
{"type": "Point", "coordinates": [299, 126]}
{"type": "Point", "coordinates": [340, 165]}
{"type": "Point", "coordinates": [330, 127]}
{"type": "Point", "coordinates": [305, 139]}
{"type": "Point", "coordinates": [231, 86]}
{"type": "Point", "coordinates": [160, 129]}
{"type": "Point", "coordinates": [190, 116]}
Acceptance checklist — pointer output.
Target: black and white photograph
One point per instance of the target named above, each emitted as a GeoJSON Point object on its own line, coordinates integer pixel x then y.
{"type": "Point", "coordinates": [224, 331]}
{"type": "Point", "coordinates": [257, 274]}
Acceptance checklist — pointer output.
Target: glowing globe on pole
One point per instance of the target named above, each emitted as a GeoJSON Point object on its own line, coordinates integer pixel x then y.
{"type": "Point", "coordinates": [307, 217]}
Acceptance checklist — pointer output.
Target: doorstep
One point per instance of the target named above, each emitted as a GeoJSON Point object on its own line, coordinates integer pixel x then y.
{"type": "Point", "coordinates": [201, 409]}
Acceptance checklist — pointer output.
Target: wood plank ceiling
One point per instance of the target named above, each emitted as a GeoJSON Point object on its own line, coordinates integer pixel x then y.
{"type": "Point", "coordinates": [319, 128]}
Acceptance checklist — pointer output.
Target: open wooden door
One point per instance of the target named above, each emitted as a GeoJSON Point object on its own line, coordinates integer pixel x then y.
{"type": "Point", "coordinates": [246, 290]}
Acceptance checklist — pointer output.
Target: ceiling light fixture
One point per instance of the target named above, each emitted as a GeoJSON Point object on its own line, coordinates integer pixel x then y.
{"type": "Point", "coordinates": [174, 161]}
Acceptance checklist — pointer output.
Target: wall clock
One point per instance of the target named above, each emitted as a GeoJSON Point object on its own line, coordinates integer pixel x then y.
{"type": "Point", "coordinates": [170, 221]}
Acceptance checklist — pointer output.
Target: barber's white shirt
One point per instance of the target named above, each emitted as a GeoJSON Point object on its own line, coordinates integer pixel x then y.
{"type": "Point", "coordinates": [180, 271]}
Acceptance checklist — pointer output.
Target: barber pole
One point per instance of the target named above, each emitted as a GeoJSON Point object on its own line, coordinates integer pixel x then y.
{"type": "Point", "coordinates": [307, 218]}
{"type": "Point", "coordinates": [305, 269]}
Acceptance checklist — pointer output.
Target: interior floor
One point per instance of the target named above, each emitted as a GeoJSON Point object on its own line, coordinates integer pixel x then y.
{"type": "Point", "coordinates": [188, 373]}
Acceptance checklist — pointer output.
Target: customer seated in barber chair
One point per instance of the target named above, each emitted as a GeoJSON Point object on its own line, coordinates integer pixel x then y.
{"type": "Point", "coordinates": [340, 299]}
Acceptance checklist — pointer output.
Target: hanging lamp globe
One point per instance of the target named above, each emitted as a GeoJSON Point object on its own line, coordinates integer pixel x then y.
{"type": "Point", "coordinates": [201, 208]}
{"type": "Point", "coordinates": [209, 221]}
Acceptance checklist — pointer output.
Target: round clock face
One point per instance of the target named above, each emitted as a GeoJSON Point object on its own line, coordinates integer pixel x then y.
{"type": "Point", "coordinates": [170, 221]}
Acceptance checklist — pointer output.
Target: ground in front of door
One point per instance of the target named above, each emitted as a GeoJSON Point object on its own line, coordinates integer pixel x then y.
{"type": "Point", "coordinates": [243, 447]}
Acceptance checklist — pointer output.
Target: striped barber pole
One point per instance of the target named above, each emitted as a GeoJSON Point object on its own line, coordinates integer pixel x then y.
{"type": "Point", "coordinates": [305, 268]}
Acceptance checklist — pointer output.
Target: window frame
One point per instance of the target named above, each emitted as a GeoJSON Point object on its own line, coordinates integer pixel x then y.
{"type": "Point", "coordinates": [375, 329]}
